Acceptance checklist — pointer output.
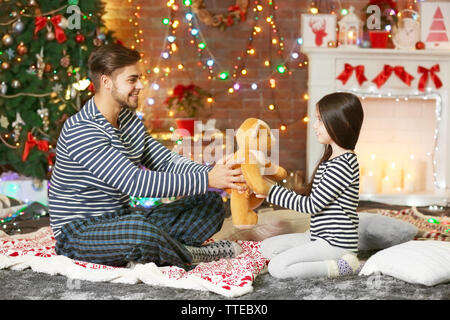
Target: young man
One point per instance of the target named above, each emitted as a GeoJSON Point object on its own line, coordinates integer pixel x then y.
{"type": "Point", "coordinates": [104, 155]}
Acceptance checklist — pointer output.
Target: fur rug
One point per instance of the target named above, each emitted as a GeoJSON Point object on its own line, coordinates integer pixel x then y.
{"type": "Point", "coordinates": [227, 277]}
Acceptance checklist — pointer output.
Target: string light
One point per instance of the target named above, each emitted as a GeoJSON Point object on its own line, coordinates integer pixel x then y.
{"type": "Point", "coordinates": [277, 62]}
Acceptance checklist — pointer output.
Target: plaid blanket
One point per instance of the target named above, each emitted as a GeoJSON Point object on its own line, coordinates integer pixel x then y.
{"type": "Point", "coordinates": [227, 277]}
{"type": "Point", "coordinates": [430, 227]}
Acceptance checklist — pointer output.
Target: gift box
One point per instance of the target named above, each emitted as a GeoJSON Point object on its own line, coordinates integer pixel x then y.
{"type": "Point", "coordinates": [25, 189]}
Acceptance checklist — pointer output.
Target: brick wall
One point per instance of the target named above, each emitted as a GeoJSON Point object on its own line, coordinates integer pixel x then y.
{"type": "Point", "coordinates": [229, 109]}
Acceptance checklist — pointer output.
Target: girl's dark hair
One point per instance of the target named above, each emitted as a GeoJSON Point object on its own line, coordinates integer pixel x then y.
{"type": "Point", "coordinates": [342, 114]}
{"type": "Point", "coordinates": [108, 58]}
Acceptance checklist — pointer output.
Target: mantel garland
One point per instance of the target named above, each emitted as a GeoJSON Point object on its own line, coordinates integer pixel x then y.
{"type": "Point", "coordinates": [236, 13]}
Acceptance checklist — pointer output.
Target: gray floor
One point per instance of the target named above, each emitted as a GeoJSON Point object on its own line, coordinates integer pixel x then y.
{"type": "Point", "coordinates": [29, 285]}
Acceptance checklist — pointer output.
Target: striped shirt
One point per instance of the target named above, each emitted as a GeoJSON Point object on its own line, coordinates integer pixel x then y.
{"type": "Point", "coordinates": [98, 167]}
{"type": "Point", "coordinates": [332, 203]}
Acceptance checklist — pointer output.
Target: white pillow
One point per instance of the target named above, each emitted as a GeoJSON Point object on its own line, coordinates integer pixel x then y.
{"type": "Point", "coordinates": [424, 262]}
{"type": "Point", "coordinates": [380, 232]}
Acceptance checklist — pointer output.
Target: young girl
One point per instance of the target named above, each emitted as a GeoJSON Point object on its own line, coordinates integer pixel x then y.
{"type": "Point", "coordinates": [329, 248]}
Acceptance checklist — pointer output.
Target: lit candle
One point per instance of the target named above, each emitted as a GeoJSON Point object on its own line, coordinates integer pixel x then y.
{"type": "Point", "coordinates": [369, 183]}
{"type": "Point", "coordinates": [413, 174]}
{"type": "Point", "coordinates": [386, 185]}
{"type": "Point", "coordinates": [394, 174]}
{"type": "Point", "coordinates": [408, 183]}
{"type": "Point", "coordinates": [375, 166]}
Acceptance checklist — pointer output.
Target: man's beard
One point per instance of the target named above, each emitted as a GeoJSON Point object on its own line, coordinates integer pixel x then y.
{"type": "Point", "coordinates": [122, 100]}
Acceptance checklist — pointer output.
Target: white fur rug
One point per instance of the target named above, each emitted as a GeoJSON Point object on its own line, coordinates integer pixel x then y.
{"type": "Point", "coordinates": [226, 277]}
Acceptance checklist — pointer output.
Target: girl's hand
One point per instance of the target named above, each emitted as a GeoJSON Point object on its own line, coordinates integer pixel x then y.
{"type": "Point", "coordinates": [268, 184]}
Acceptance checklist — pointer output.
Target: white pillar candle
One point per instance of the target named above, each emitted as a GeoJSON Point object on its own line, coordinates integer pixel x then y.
{"type": "Point", "coordinates": [408, 183]}
{"type": "Point", "coordinates": [375, 165]}
{"type": "Point", "coordinates": [413, 172]}
{"type": "Point", "coordinates": [369, 183]}
{"type": "Point", "coordinates": [394, 173]}
{"type": "Point", "coordinates": [386, 185]}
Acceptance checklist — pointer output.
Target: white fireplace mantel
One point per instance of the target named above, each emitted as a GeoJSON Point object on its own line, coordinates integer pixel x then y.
{"type": "Point", "coordinates": [325, 65]}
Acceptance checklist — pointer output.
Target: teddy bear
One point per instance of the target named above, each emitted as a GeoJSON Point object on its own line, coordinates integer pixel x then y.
{"type": "Point", "coordinates": [254, 140]}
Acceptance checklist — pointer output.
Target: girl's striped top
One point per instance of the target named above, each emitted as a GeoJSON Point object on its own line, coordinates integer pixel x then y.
{"type": "Point", "coordinates": [332, 203]}
{"type": "Point", "coordinates": [98, 167]}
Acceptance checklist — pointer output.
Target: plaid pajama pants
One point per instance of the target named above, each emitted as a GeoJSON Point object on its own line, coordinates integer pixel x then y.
{"type": "Point", "coordinates": [145, 235]}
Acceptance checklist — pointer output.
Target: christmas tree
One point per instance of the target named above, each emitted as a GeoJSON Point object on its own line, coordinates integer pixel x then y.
{"type": "Point", "coordinates": [44, 48]}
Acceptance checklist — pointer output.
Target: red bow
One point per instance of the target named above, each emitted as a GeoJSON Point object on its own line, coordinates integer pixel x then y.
{"type": "Point", "coordinates": [30, 143]}
{"type": "Point", "coordinates": [424, 79]}
{"type": "Point", "coordinates": [41, 22]}
{"type": "Point", "coordinates": [50, 157]}
{"type": "Point", "coordinates": [230, 20]}
{"type": "Point", "coordinates": [237, 8]}
{"type": "Point", "coordinates": [179, 91]}
{"type": "Point", "coordinates": [386, 73]}
{"type": "Point", "coordinates": [347, 73]}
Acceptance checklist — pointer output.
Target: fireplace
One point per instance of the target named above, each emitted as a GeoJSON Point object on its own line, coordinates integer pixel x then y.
{"type": "Point", "coordinates": [404, 146]}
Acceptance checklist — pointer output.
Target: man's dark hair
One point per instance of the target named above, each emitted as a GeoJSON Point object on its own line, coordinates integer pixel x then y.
{"type": "Point", "coordinates": [108, 58]}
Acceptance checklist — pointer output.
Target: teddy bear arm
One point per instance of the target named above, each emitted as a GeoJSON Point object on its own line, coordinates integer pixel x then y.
{"type": "Point", "coordinates": [280, 172]}
{"type": "Point", "coordinates": [254, 179]}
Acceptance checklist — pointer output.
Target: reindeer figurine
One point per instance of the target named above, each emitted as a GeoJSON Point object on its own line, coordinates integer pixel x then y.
{"type": "Point", "coordinates": [318, 26]}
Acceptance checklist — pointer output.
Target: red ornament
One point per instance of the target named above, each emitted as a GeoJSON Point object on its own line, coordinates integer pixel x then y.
{"type": "Point", "coordinates": [420, 45]}
{"type": "Point", "coordinates": [79, 38]}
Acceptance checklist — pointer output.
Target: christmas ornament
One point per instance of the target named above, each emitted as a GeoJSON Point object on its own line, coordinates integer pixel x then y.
{"type": "Point", "coordinates": [43, 113]}
{"type": "Point", "coordinates": [236, 13]}
{"type": "Point", "coordinates": [50, 36]}
{"type": "Point", "coordinates": [7, 40]}
{"type": "Point", "coordinates": [64, 23]}
{"type": "Point", "coordinates": [17, 125]}
{"type": "Point", "coordinates": [420, 45]}
{"type": "Point", "coordinates": [57, 88]}
{"type": "Point", "coordinates": [97, 42]}
{"type": "Point", "coordinates": [5, 65]}
{"type": "Point", "coordinates": [15, 84]}
{"type": "Point", "coordinates": [40, 65]}
{"type": "Point", "coordinates": [79, 38]}
{"type": "Point", "coordinates": [4, 122]}
{"type": "Point", "coordinates": [32, 3]}
{"type": "Point", "coordinates": [41, 22]}
{"type": "Point", "coordinates": [22, 49]}
{"type": "Point", "coordinates": [65, 61]}
{"type": "Point", "coordinates": [18, 26]}
{"type": "Point", "coordinates": [48, 67]}
{"type": "Point", "coordinates": [332, 44]}
{"type": "Point", "coordinates": [10, 53]}
{"type": "Point", "coordinates": [3, 88]}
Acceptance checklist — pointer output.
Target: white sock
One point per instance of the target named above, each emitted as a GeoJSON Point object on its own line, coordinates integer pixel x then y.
{"type": "Point", "coordinates": [346, 265]}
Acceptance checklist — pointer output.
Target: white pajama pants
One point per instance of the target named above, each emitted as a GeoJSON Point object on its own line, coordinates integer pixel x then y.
{"type": "Point", "coordinates": [294, 255]}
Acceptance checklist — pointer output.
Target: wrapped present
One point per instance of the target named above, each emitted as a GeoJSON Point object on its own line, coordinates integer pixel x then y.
{"type": "Point", "coordinates": [24, 189]}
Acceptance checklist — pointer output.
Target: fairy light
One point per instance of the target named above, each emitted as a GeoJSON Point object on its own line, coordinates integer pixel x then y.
{"type": "Point", "coordinates": [276, 62]}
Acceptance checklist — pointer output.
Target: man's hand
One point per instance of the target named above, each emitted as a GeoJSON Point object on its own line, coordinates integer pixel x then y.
{"type": "Point", "coordinates": [223, 176]}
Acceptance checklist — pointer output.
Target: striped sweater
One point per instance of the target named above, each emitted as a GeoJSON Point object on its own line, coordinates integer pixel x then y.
{"type": "Point", "coordinates": [332, 202]}
{"type": "Point", "coordinates": [98, 167]}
